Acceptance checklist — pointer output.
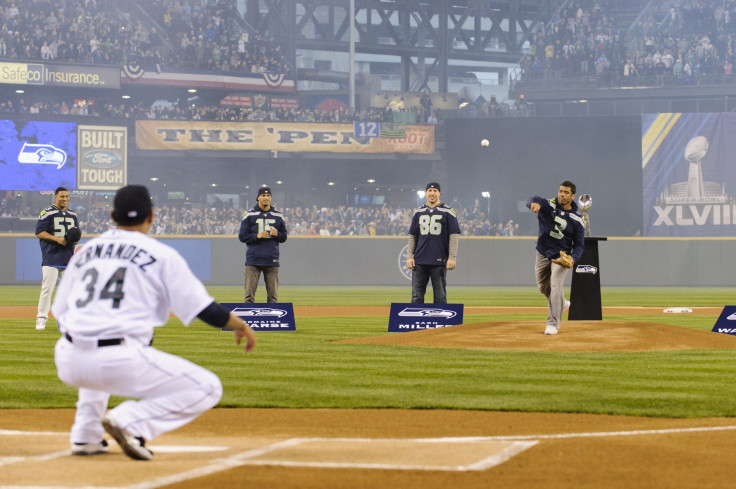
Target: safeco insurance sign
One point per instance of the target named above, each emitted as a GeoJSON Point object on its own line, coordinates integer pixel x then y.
{"type": "Point", "coordinates": [65, 75]}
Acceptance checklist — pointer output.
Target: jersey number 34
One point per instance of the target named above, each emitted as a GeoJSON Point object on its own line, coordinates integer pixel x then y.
{"type": "Point", "coordinates": [113, 289]}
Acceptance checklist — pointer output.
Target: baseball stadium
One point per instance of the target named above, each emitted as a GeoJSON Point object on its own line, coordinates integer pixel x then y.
{"type": "Point", "coordinates": [199, 133]}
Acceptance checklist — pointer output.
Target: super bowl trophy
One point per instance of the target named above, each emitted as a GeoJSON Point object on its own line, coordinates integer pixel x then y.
{"type": "Point", "coordinates": [584, 203]}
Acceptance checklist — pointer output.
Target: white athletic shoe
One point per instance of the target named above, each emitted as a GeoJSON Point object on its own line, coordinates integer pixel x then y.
{"type": "Point", "coordinates": [550, 329]}
{"type": "Point", "coordinates": [566, 306]}
{"type": "Point", "coordinates": [90, 448]}
{"type": "Point", "coordinates": [131, 445]}
{"type": "Point", "coordinates": [40, 324]}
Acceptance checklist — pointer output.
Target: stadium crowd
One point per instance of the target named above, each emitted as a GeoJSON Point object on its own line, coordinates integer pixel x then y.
{"type": "Point", "coordinates": [585, 39]}
{"type": "Point", "coordinates": [190, 34]}
{"type": "Point", "coordinates": [306, 221]}
{"type": "Point", "coordinates": [140, 111]}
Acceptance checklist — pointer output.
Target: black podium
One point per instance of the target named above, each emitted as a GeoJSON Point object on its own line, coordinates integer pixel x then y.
{"type": "Point", "coordinates": [585, 291]}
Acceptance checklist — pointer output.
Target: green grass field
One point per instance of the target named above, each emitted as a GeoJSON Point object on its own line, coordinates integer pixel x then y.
{"type": "Point", "coordinates": [306, 369]}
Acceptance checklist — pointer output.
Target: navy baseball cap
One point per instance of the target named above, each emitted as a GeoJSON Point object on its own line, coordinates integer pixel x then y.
{"type": "Point", "coordinates": [73, 235]}
{"type": "Point", "coordinates": [132, 205]}
{"type": "Point", "coordinates": [263, 190]}
{"type": "Point", "coordinates": [433, 185]}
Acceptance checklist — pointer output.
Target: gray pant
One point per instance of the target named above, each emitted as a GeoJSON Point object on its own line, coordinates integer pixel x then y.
{"type": "Point", "coordinates": [270, 276]}
{"type": "Point", "coordinates": [551, 283]}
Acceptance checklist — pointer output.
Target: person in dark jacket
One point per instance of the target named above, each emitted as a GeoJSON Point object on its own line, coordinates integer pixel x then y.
{"type": "Point", "coordinates": [561, 230]}
{"type": "Point", "coordinates": [262, 230]}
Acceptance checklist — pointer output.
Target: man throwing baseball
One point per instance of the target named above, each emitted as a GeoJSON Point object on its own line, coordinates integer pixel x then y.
{"type": "Point", "coordinates": [433, 239]}
{"type": "Point", "coordinates": [559, 245]}
{"type": "Point", "coordinates": [116, 290]}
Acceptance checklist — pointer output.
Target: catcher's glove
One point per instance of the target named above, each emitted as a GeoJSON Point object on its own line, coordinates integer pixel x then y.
{"type": "Point", "coordinates": [564, 260]}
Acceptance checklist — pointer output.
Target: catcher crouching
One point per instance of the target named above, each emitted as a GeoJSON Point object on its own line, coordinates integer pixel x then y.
{"type": "Point", "coordinates": [559, 245]}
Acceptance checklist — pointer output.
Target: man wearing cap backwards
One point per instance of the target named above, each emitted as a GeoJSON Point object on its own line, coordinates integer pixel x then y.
{"type": "Point", "coordinates": [51, 230]}
{"type": "Point", "coordinates": [116, 290]}
{"type": "Point", "coordinates": [262, 230]}
{"type": "Point", "coordinates": [433, 239]}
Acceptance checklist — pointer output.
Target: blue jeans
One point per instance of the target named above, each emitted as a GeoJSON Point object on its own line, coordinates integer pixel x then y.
{"type": "Point", "coordinates": [419, 279]}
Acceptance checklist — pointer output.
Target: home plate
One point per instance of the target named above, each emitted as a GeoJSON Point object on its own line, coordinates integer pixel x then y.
{"type": "Point", "coordinates": [185, 448]}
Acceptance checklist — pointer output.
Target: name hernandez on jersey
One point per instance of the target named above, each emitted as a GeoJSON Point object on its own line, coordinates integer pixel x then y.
{"type": "Point", "coordinates": [116, 251]}
{"type": "Point", "coordinates": [125, 283]}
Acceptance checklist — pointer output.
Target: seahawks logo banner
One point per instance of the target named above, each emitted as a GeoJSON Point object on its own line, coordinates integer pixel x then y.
{"type": "Point", "coordinates": [265, 316]}
{"type": "Point", "coordinates": [689, 180]}
{"type": "Point", "coordinates": [412, 317]}
{"type": "Point", "coordinates": [726, 323]}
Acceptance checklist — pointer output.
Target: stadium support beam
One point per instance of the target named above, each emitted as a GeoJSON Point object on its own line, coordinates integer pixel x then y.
{"type": "Point", "coordinates": [430, 35]}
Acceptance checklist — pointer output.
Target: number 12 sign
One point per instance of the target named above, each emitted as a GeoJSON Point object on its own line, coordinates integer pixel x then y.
{"type": "Point", "coordinates": [366, 129]}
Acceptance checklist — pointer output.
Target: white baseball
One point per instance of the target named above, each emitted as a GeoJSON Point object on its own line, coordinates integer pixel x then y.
{"type": "Point", "coordinates": [485, 143]}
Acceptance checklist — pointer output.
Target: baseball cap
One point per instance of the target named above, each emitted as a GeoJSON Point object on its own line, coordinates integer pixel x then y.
{"type": "Point", "coordinates": [132, 205]}
{"type": "Point", "coordinates": [264, 190]}
{"type": "Point", "coordinates": [73, 235]}
{"type": "Point", "coordinates": [433, 185]}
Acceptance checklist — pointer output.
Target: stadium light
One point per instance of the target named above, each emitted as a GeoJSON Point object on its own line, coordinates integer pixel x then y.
{"type": "Point", "coordinates": [487, 195]}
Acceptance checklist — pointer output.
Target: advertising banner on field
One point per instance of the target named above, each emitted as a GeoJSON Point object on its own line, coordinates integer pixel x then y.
{"type": "Point", "coordinates": [265, 316]}
{"type": "Point", "coordinates": [726, 322]}
{"type": "Point", "coordinates": [413, 317]}
{"type": "Point", "coordinates": [689, 180]}
{"type": "Point", "coordinates": [103, 157]}
{"type": "Point", "coordinates": [287, 137]}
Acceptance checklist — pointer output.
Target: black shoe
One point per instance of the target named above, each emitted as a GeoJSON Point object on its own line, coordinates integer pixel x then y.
{"type": "Point", "coordinates": [134, 447]}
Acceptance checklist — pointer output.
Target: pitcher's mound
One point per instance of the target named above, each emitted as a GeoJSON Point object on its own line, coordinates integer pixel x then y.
{"type": "Point", "coordinates": [576, 336]}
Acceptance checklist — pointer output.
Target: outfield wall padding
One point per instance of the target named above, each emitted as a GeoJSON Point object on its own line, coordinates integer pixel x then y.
{"type": "Point", "coordinates": [375, 261]}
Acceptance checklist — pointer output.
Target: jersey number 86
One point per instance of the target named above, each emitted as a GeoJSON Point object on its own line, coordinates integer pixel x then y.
{"type": "Point", "coordinates": [430, 225]}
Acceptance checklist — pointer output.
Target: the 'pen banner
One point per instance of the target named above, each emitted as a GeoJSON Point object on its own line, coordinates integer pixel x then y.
{"type": "Point", "coordinates": [263, 136]}
{"type": "Point", "coordinates": [689, 178]}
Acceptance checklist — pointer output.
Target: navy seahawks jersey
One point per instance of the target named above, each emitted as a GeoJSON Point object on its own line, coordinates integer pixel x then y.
{"type": "Point", "coordinates": [432, 227]}
{"type": "Point", "coordinates": [56, 222]}
{"type": "Point", "coordinates": [559, 230]}
{"type": "Point", "coordinates": [262, 252]}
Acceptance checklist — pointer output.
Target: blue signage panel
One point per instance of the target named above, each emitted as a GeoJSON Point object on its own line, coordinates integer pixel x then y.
{"type": "Point", "coordinates": [368, 129]}
{"type": "Point", "coordinates": [265, 316]}
{"type": "Point", "coordinates": [38, 155]}
{"type": "Point", "coordinates": [727, 321]}
{"type": "Point", "coordinates": [412, 317]}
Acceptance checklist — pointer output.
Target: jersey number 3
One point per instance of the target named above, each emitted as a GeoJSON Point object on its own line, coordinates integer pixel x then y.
{"type": "Point", "coordinates": [113, 289]}
{"type": "Point", "coordinates": [430, 225]}
{"type": "Point", "coordinates": [560, 225]}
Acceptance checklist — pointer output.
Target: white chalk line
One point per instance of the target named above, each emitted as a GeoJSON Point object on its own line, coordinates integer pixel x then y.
{"type": "Point", "coordinates": [519, 444]}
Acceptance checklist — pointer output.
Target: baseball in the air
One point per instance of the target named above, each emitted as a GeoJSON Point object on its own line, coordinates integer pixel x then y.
{"type": "Point", "coordinates": [485, 143]}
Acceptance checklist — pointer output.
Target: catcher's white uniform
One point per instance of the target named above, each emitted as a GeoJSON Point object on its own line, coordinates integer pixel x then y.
{"type": "Point", "coordinates": [116, 289]}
